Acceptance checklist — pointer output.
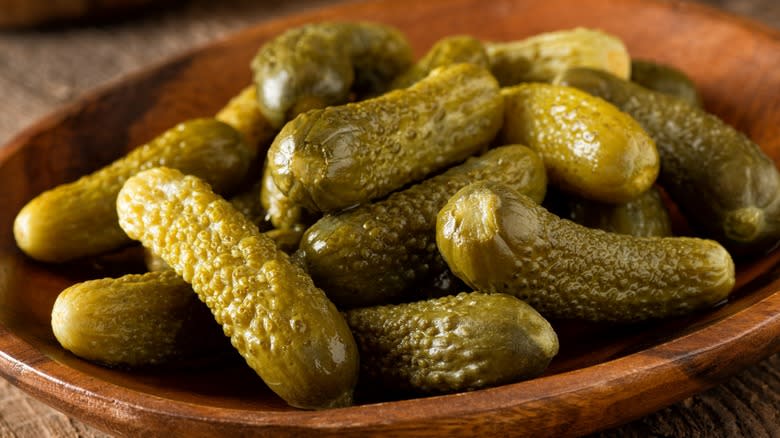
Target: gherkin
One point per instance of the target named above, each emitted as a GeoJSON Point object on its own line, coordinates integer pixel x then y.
{"type": "Point", "coordinates": [723, 183]}
{"type": "Point", "coordinates": [498, 240]}
{"type": "Point", "coordinates": [665, 79]}
{"type": "Point", "coordinates": [455, 343]}
{"type": "Point", "coordinates": [327, 160]}
{"type": "Point", "coordinates": [446, 51]}
{"type": "Point", "coordinates": [79, 219]}
{"type": "Point", "coordinates": [284, 327]}
{"type": "Point", "coordinates": [383, 252]}
{"type": "Point", "coordinates": [318, 65]}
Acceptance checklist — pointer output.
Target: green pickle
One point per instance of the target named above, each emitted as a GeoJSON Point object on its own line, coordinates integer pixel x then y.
{"type": "Point", "coordinates": [589, 147]}
{"type": "Point", "coordinates": [243, 113]}
{"type": "Point", "coordinates": [285, 328]}
{"type": "Point", "coordinates": [136, 321]}
{"type": "Point", "coordinates": [541, 57]}
{"type": "Point", "coordinates": [281, 211]}
{"type": "Point", "coordinates": [665, 79]}
{"type": "Point", "coordinates": [498, 240]}
{"type": "Point", "coordinates": [447, 51]}
{"type": "Point", "coordinates": [79, 219]}
{"type": "Point", "coordinates": [327, 160]}
{"type": "Point", "coordinates": [378, 253]}
{"type": "Point", "coordinates": [723, 183]}
{"type": "Point", "coordinates": [456, 343]}
{"type": "Point", "coordinates": [644, 216]}
{"type": "Point", "coordinates": [318, 65]}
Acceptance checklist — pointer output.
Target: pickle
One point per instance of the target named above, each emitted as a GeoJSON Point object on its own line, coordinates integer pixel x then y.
{"type": "Point", "coordinates": [327, 160]}
{"type": "Point", "coordinates": [318, 65]}
{"type": "Point", "coordinates": [645, 216]}
{"type": "Point", "coordinates": [540, 58]}
{"type": "Point", "coordinates": [447, 51]}
{"type": "Point", "coordinates": [449, 344]}
{"type": "Point", "coordinates": [243, 113]}
{"type": "Point", "coordinates": [498, 240]}
{"type": "Point", "coordinates": [723, 183]}
{"type": "Point", "coordinates": [665, 79]}
{"type": "Point", "coordinates": [589, 147]}
{"type": "Point", "coordinates": [79, 219]}
{"type": "Point", "coordinates": [375, 253]}
{"type": "Point", "coordinates": [283, 326]}
{"type": "Point", "coordinates": [136, 321]}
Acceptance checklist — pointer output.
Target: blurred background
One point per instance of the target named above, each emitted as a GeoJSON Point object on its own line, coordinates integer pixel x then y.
{"type": "Point", "coordinates": [53, 51]}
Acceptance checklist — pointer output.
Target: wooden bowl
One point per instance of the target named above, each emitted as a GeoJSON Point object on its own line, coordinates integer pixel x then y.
{"type": "Point", "coordinates": [604, 375]}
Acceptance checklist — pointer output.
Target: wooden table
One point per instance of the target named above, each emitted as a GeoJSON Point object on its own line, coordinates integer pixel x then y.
{"type": "Point", "coordinates": [42, 70]}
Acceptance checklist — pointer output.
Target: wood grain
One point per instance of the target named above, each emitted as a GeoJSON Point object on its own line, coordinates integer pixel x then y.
{"type": "Point", "coordinates": [727, 409]}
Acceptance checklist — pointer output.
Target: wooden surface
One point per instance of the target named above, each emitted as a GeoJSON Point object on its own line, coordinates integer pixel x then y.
{"type": "Point", "coordinates": [39, 71]}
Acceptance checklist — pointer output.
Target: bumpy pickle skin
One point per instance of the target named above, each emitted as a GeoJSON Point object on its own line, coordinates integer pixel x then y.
{"type": "Point", "coordinates": [589, 147]}
{"type": "Point", "coordinates": [498, 240]}
{"type": "Point", "coordinates": [645, 216]}
{"type": "Point", "coordinates": [456, 343]}
{"type": "Point", "coordinates": [79, 219]}
{"type": "Point", "coordinates": [382, 252]}
{"type": "Point", "coordinates": [243, 113]}
{"type": "Point", "coordinates": [665, 79]}
{"type": "Point", "coordinates": [449, 50]}
{"type": "Point", "coordinates": [724, 184]}
{"type": "Point", "coordinates": [136, 321]}
{"type": "Point", "coordinates": [327, 160]}
{"type": "Point", "coordinates": [540, 58]}
{"type": "Point", "coordinates": [318, 65]}
{"type": "Point", "coordinates": [285, 328]}
{"type": "Point", "coordinates": [281, 211]}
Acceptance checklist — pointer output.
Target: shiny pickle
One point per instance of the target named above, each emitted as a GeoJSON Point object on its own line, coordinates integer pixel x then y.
{"type": "Point", "coordinates": [285, 328]}
{"type": "Point", "coordinates": [447, 51]}
{"type": "Point", "coordinates": [645, 216]}
{"type": "Point", "coordinates": [327, 160]}
{"type": "Point", "coordinates": [380, 253]}
{"type": "Point", "coordinates": [498, 240]}
{"type": "Point", "coordinates": [665, 79]}
{"type": "Point", "coordinates": [541, 57]}
{"type": "Point", "coordinates": [136, 321]}
{"type": "Point", "coordinates": [281, 211]}
{"type": "Point", "coordinates": [79, 219]}
{"type": "Point", "coordinates": [318, 65]}
{"type": "Point", "coordinates": [589, 147]}
{"type": "Point", "coordinates": [456, 343]}
{"type": "Point", "coordinates": [722, 182]}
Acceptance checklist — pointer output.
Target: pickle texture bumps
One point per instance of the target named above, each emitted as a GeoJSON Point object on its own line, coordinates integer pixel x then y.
{"type": "Point", "coordinates": [283, 326]}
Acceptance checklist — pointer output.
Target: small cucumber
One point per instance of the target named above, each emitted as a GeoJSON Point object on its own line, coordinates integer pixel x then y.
{"type": "Point", "coordinates": [498, 240]}
{"type": "Point", "coordinates": [447, 51]}
{"type": "Point", "coordinates": [456, 343]}
{"type": "Point", "coordinates": [589, 147]}
{"type": "Point", "coordinates": [136, 321]}
{"type": "Point", "coordinates": [285, 328]}
{"type": "Point", "coordinates": [317, 65]}
{"type": "Point", "coordinates": [341, 156]}
{"type": "Point", "coordinates": [79, 219]}
{"type": "Point", "coordinates": [724, 184]}
{"type": "Point", "coordinates": [541, 57]}
{"type": "Point", "coordinates": [665, 79]}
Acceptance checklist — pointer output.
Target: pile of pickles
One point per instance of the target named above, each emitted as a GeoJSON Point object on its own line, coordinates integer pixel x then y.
{"type": "Point", "coordinates": [413, 224]}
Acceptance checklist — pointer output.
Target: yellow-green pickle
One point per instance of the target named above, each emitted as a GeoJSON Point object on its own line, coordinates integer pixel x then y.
{"type": "Point", "coordinates": [455, 343]}
{"type": "Point", "coordinates": [383, 252]}
{"type": "Point", "coordinates": [723, 183]}
{"type": "Point", "coordinates": [243, 113]}
{"type": "Point", "coordinates": [447, 51]}
{"type": "Point", "coordinates": [317, 65]}
{"type": "Point", "coordinates": [79, 219]}
{"type": "Point", "coordinates": [330, 159]}
{"type": "Point", "coordinates": [589, 147]}
{"type": "Point", "coordinates": [498, 240]}
{"type": "Point", "coordinates": [136, 321]}
{"type": "Point", "coordinates": [285, 328]}
{"type": "Point", "coordinates": [541, 57]}
{"type": "Point", "coordinates": [644, 216]}
{"type": "Point", "coordinates": [665, 79]}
